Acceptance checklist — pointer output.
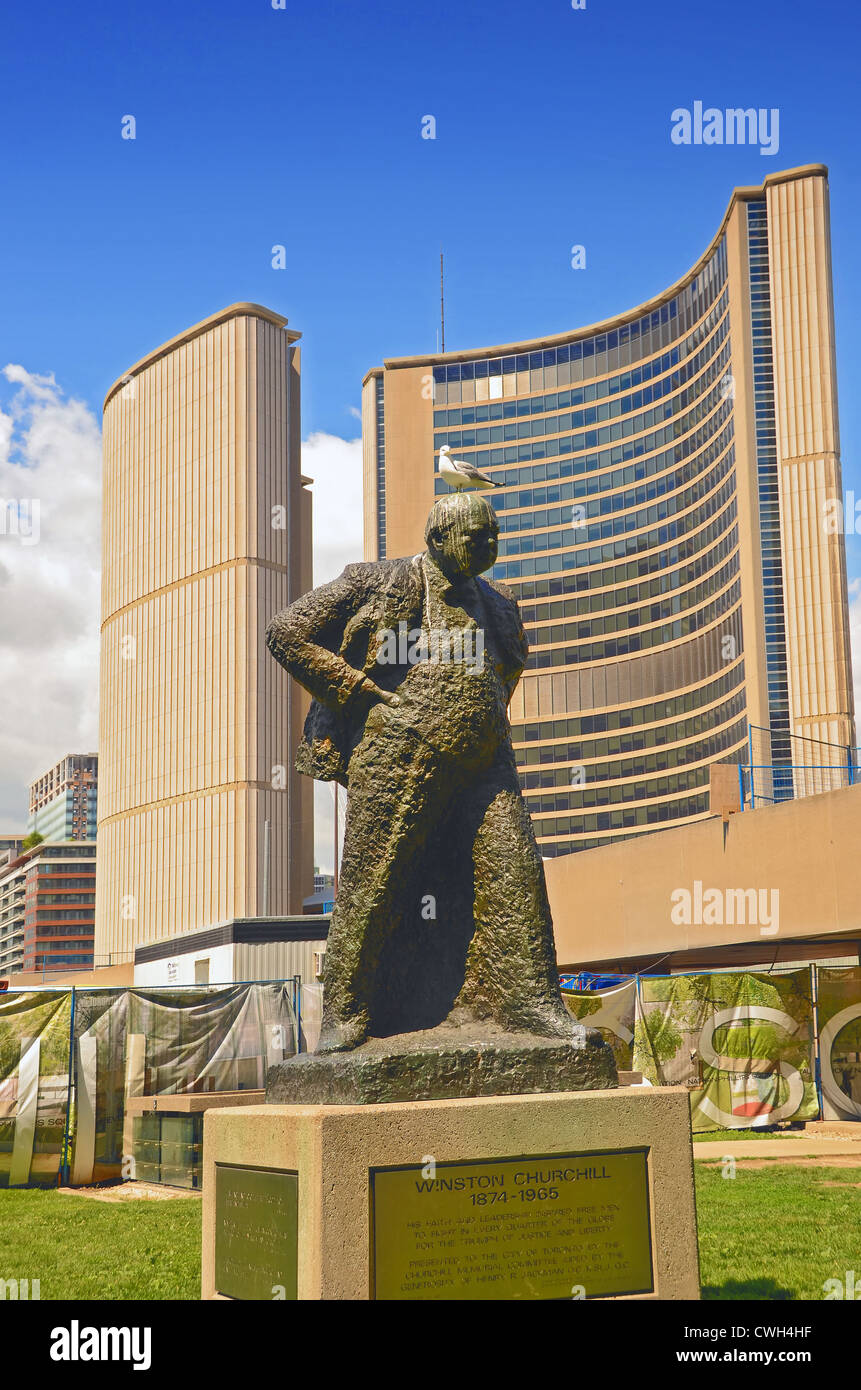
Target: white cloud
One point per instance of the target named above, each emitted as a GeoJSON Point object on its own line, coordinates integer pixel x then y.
{"type": "Point", "coordinates": [50, 453]}
{"type": "Point", "coordinates": [324, 824]}
{"type": "Point", "coordinates": [40, 388]}
{"type": "Point", "coordinates": [50, 466]}
{"type": "Point", "coordinates": [5, 437]}
{"type": "Point", "coordinates": [335, 464]}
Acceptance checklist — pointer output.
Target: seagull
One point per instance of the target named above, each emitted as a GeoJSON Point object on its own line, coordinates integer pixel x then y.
{"type": "Point", "coordinates": [459, 474]}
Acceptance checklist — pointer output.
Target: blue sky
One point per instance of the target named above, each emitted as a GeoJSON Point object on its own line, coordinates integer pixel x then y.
{"type": "Point", "coordinates": [302, 127]}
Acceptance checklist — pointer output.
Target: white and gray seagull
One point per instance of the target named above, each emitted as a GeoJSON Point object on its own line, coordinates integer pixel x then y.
{"type": "Point", "coordinates": [459, 474]}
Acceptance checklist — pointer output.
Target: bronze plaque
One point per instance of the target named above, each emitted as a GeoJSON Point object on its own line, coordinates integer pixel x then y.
{"type": "Point", "coordinates": [256, 1232]}
{"type": "Point", "coordinates": [541, 1227]}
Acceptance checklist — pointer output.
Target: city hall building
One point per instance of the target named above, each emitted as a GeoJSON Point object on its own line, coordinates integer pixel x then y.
{"type": "Point", "coordinates": [206, 533]}
{"type": "Point", "coordinates": [664, 478]}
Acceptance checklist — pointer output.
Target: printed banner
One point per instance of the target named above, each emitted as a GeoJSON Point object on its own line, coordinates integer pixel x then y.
{"type": "Point", "coordinates": [163, 1042]}
{"type": "Point", "coordinates": [611, 1011]}
{"type": "Point", "coordinates": [742, 1042]}
{"type": "Point", "coordinates": [312, 1016]}
{"type": "Point", "coordinates": [839, 1011]}
{"type": "Point", "coordinates": [34, 1086]}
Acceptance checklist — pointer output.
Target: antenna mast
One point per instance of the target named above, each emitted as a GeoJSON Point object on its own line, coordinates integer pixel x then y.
{"type": "Point", "coordinates": [441, 302]}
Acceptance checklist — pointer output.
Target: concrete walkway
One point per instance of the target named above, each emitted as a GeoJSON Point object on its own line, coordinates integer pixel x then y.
{"type": "Point", "coordinates": [778, 1149]}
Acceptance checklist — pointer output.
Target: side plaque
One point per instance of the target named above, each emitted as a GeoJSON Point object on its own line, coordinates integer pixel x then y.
{"type": "Point", "coordinates": [551, 1226]}
{"type": "Point", "coordinates": [256, 1232]}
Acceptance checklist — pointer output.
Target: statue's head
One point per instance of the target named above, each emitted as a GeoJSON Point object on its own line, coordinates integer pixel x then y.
{"type": "Point", "coordinates": [462, 535]}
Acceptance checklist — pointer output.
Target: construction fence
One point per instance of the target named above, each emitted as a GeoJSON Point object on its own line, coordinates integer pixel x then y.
{"type": "Point", "coordinates": [755, 1049]}
{"type": "Point", "coordinates": [73, 1062]}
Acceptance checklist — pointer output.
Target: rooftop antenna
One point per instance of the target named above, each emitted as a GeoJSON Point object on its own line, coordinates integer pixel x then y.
{"type": "Point", "coordinates": [441, 301]}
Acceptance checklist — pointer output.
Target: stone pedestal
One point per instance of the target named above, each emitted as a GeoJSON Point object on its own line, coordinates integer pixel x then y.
{"type": "Point", "coordinates": [586, 1194]}
{"type": "Point", "coordinates": [445, 1064]}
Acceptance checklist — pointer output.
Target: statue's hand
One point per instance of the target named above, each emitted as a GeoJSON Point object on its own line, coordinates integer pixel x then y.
{"type": "Point", "coordinates": [370, 690]}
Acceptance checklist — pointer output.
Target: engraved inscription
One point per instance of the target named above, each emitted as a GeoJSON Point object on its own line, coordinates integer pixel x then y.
{"type": "Point", "coordinates": [555, 1226]}
{"type": "Point", "coordinates": [256, 1225]}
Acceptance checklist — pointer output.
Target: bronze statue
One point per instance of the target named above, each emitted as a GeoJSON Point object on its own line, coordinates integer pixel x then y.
{"type": "Point", "coordinates": [412, 664]}
{"type": "Point", "coordinates": [440, 975]}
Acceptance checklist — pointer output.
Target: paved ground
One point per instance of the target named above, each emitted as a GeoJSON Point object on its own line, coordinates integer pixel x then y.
{"type": "Point", "coordinates": [818, 1150]}
{"type": "Point", "coordinates": [822, 1144]}
{"type": "Point", "coordinates": [838, 1161]}
{"type": "Point", "coordinates": [130, 1191]}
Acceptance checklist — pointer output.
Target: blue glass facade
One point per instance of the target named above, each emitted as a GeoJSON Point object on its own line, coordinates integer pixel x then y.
{"type": "Point", "coordinates": [640, 468]}
{"type": "Point", "coordinates": [619, 537]}
{"type": "Point", "coordinates": [769, 499]}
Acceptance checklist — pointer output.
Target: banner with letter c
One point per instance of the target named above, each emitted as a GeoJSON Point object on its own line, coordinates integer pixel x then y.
{"type": "Point", "coordinates": [839, 1010]}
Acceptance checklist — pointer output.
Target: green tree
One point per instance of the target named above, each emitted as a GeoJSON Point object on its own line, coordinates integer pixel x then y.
{"type": "Point", "coordinates": [656, 1040]}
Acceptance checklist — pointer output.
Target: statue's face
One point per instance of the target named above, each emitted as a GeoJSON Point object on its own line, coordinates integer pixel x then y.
{"type": "Point", "coordinates": [467, 546]}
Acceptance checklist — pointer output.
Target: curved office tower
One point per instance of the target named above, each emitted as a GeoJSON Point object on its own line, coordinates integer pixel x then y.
{"type": "Point", "coordinates": [206, 534]}
{"type": "Point", "coordinates": [664, 477]}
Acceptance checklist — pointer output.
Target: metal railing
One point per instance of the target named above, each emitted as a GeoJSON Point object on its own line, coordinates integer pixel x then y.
{"type": "Point", "coordinates": [808, 766]}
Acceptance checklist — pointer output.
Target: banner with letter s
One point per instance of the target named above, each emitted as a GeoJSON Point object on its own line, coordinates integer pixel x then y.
{"type": "Point", "coordinates": [742, 1042]}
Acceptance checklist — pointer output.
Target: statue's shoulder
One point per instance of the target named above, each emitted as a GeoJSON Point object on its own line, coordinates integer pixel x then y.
{"type": "Point", "coordinates": [389, 579]}
{"type": "Point", "coordinates": [499, 592]}
{"type": "Point", "coordinates": [376, 573]}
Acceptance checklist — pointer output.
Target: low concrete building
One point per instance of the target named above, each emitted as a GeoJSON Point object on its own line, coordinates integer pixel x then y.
{"type": "Point", "coordinates": [243, 949]}
{"type": "Point", "coordinates": [777, 885]}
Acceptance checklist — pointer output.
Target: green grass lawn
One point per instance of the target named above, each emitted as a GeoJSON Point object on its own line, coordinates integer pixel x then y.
{"type": "Point", "coordinates": [711, 1136]}
{"type": "Point", "coordinates": [777, 1233]}
{"type": "Point", "coordinates": [771, 1233]}
{"type": "Point", "coordinates": [79, 1247]}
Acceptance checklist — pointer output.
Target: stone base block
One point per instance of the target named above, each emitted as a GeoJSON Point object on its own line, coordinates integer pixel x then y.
{"type": "Point", "coordinates": [444, 1063]}
{"type": "Point", "coordinates": [577, 1195]}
